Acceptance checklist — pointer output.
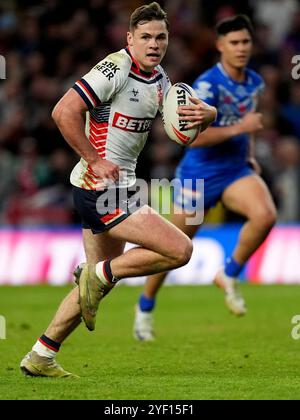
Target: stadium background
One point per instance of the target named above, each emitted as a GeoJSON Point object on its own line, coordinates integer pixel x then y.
{"type": "Point", "coordinates": [50, 44]}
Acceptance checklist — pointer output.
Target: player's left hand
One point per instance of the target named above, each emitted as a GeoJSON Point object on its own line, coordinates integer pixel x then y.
{"type": "Point", "coordinates": [255, 165]}
{"type": "Point", "coordinates": [198, 114]}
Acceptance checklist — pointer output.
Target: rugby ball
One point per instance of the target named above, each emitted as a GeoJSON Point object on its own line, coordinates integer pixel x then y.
{"type": "Point", "coordinates": [176, 129]}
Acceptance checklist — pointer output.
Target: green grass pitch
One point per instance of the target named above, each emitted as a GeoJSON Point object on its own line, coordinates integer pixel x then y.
{"type": "Point", "coordinates": [201, 352]}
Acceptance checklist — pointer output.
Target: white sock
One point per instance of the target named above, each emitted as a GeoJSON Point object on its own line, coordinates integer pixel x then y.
{"type": "Point", "coordinates": [43, 350]}
{"type": "Point", "coordinates": [101, 274]}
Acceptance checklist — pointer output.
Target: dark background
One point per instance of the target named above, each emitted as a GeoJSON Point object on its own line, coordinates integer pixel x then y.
{"type": "Point", "coordinates": [50, 44]}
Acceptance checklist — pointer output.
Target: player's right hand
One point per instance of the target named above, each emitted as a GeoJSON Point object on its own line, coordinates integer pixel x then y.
{"type": "Point", "coordinates": [104, 169]}
{"type": "Point", "coordinates": [252, 122]}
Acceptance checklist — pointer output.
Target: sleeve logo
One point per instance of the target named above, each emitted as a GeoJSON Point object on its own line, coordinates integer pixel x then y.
{"type": "Point", "coordinates": [203, 90]}
{"type": "Point", "coordinates": [108, 69]}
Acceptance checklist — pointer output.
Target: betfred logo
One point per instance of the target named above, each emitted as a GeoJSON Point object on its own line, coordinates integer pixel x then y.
{"type": "Point", "coordinates": [134, 125]}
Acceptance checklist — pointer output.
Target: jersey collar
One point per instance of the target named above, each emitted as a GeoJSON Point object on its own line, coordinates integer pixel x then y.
{"type": "Point", "coordinates": [136, 68]}
{"type": "Point", "coordinates": [224, 72]}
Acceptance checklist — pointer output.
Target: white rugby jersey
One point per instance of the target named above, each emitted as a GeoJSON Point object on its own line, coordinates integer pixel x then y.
{"type": "Point", "coordinates": [123, 100]}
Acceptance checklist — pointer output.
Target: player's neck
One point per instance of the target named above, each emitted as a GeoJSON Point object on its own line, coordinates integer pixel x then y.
{"type": "Point", "coordinates": [139, 65]}
{"type": "Point", "coordinates": [237, 74]}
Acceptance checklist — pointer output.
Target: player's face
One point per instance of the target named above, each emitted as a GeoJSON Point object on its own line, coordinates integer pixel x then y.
{"type": "Point", "coordinates": [148, 43]}
{"type": "Point", "coordinates": [236, 48]}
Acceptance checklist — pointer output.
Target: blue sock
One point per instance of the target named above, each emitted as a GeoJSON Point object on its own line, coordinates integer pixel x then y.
{"type": "Point", "coordinates": [232, 268]}
{"type": "Point", "coordinates": [146, 304]}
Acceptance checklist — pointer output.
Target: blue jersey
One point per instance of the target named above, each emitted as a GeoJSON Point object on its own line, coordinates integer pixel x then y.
{"type": "Point", "coordinates": [232, 100]}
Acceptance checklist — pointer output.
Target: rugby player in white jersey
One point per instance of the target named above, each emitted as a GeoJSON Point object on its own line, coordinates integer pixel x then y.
{"type": "Point", "coordinates": [106, 118]}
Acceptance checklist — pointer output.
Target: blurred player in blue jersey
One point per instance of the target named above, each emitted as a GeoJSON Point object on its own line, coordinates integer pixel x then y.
{"type": "Point", "coordinates": [223, 157]}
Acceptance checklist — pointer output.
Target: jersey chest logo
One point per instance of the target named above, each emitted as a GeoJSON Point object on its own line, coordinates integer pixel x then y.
{"type": "Point", "coordinates": [134, 95]}
{"type": "Point", "coordinates": [132, 124]}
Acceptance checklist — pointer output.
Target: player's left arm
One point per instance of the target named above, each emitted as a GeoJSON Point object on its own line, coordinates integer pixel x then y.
{"type": "Point", "coordinates": [200, 113]}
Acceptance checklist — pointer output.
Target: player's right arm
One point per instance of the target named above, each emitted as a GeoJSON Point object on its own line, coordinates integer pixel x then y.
{"type": "Point", "coordinates": [100, 85]}
{"type": "Point", "coordinates": [249, 124]}
{"type": "Point", "coordinates": [69, 115]}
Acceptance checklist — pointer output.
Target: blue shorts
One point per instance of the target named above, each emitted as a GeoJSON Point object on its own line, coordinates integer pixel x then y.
{"type": "Point", "coordinates": [215, 182]}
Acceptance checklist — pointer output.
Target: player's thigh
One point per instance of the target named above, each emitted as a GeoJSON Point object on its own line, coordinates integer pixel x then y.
{"type": "Point", "coordinates": [100, 247]}
{"type": "Point", "coordinates": [250, 197]}
{"type": "Point", "coordinates": [148, 229]}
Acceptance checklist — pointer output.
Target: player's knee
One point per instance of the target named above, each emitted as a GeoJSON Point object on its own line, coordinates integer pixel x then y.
{"type": "Point", "coordinates": [183, 253]}
{"type": "Point", "coordinates": [272, 217]}
{"type": "Point", "coordinates": [266, 218]}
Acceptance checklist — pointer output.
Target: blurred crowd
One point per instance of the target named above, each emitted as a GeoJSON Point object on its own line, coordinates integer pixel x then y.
{"type": "Point", "coordinates": [49, 44]}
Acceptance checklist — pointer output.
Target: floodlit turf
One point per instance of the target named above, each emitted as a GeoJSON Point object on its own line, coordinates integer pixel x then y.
{"type": "Point", "coordinates": [201, 352]}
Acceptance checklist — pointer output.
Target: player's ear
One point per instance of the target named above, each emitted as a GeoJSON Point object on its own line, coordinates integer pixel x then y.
{"type": "Point", "coordinates": [219, 44]}
{"type": "Point", "coordinates": [129, 39]}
